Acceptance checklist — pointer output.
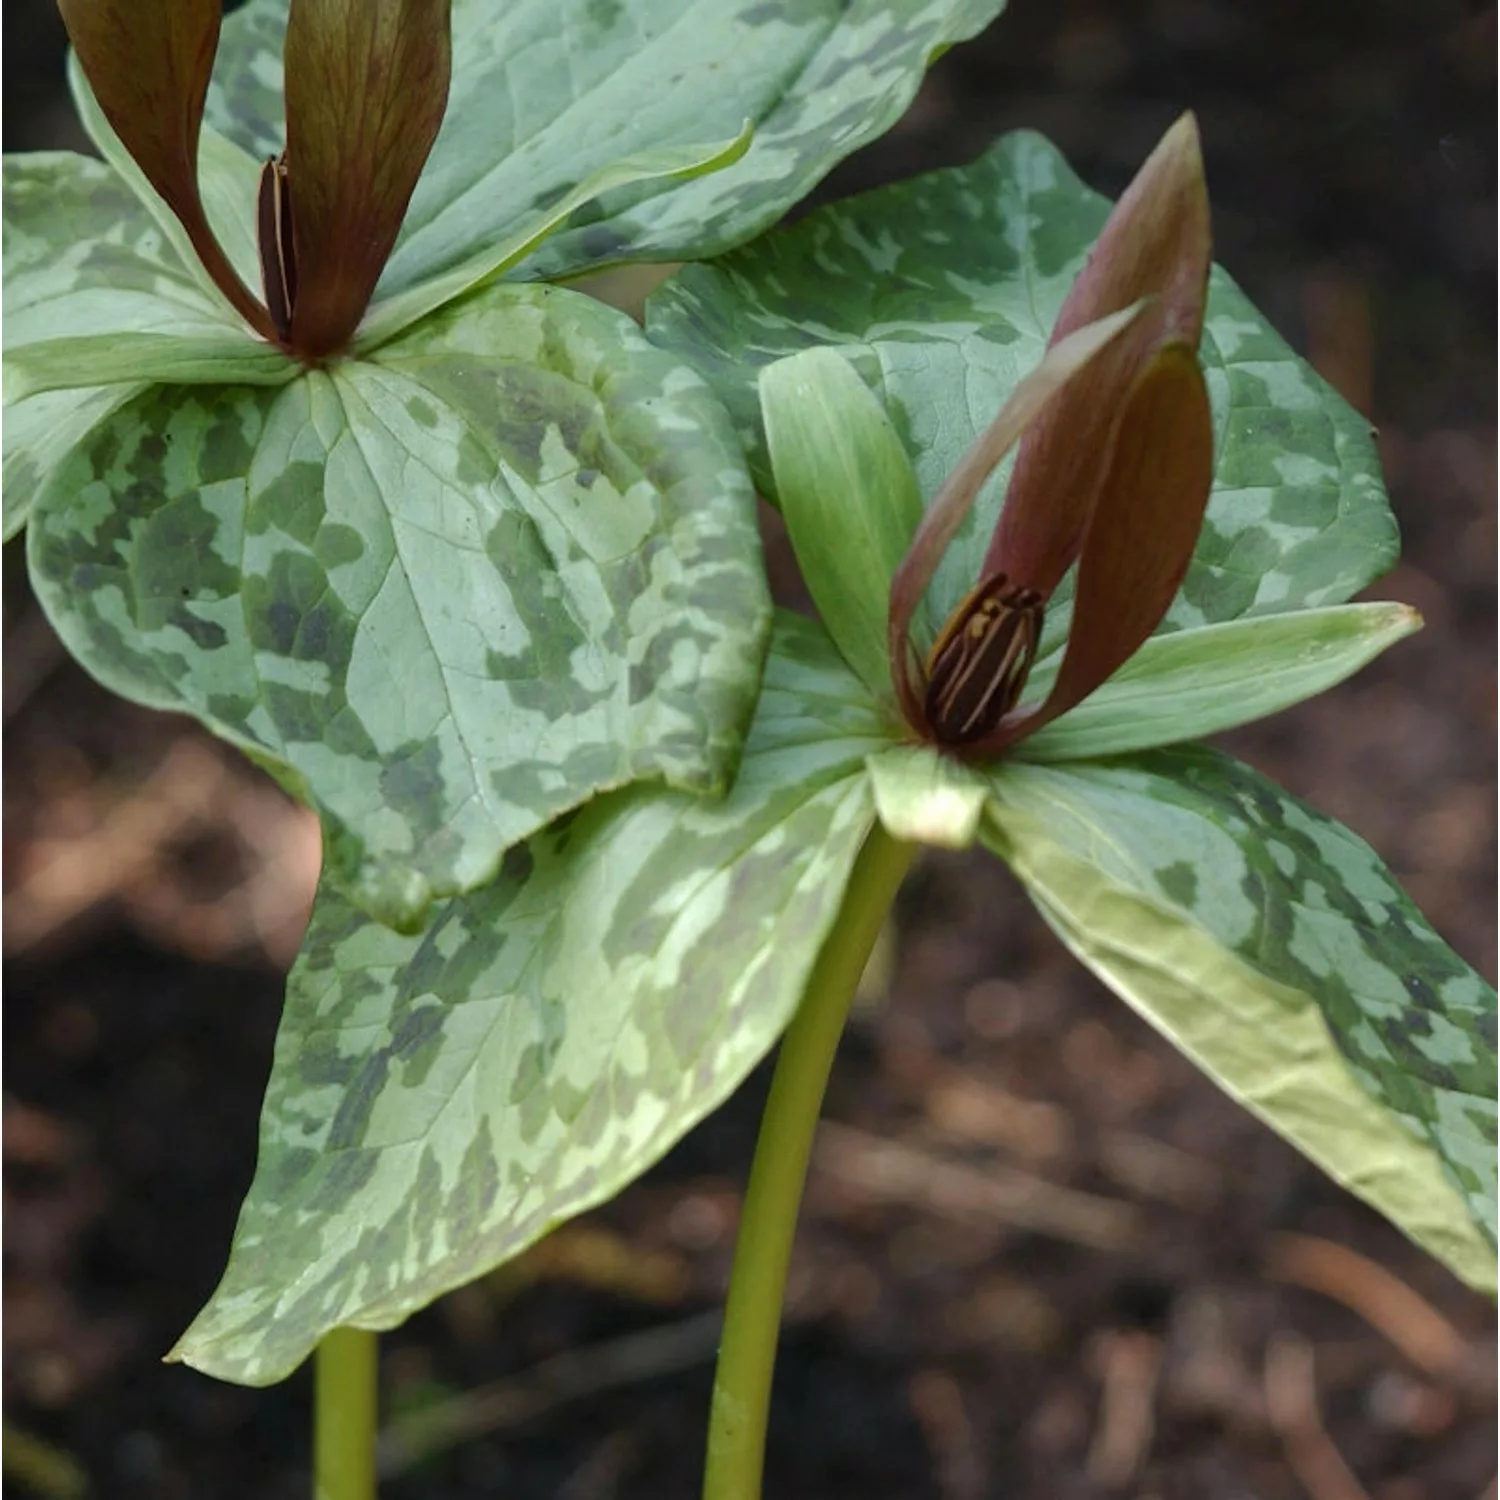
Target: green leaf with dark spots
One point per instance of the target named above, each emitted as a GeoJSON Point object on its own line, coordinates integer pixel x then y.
{"type": "Point", "coordinates": [941, 292]}
{"type": "Point", "coordinates": [454, 591]}
{"type": "Point", "coordinates": [80, 254]}
{"type": "Point", "coordinates": [1273, 946]}
{"type": "Point", "coordinates": [666, 163]}
{"type": "Point", "coordinates": [439, 1103]}
{"type": "Point", "coordinates": [545, 93]}
{"type": "Point", "coordinates": [98, 281]}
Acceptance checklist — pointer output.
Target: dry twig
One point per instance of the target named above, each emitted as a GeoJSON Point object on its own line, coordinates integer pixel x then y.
{"type": "Point", "coordinates": [1292, 1404]}
{"type": "Point", "coordinates": [1127, 1414]}
{"type": "Point", "coordinates": [565, 1377]}
{"type": "Point", "coordinates": [893, 1172]}
{"type": "Point", "coordinates": [1386, 1303]}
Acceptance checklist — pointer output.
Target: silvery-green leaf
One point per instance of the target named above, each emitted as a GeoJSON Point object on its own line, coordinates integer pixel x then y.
{"type": "Point", "coordinates": [942, 291]}
{"type": "Point", "coordinates": [450, 592]}
{"type": "Point", "coordinates": [83, 258]}
{"type": "Point", "coordinates": [39, 434]}
{"type": "Point", "coordinates": [925, 797]}
{"type": "Point", "coordinates": [1202, 680]}
{"type": "Point", "coordinates": [227, 180]}
{"type": "Point", "coordinates": [80, 255]}
{"type": "Point", "coordinates": [1273, 946]}
{"type": "Point", "coordinates": [95, 283]}
{"type": "Point", "coordinates": [675, 163]}
{"type": "Point", "coordinates": [830, 442]}
{"type": "Point", "coordinates": [72, 226]}
{"type": "Point", "coordinates": [546, 92]}
{"type": "Point", "coordinates": [438, 1103]}
{"type": "Point", "coordinates": [246, 101]}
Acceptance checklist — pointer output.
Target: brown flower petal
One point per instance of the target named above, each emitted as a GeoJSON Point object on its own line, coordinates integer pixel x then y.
{"type": "Point", "coordinates": [1063, 364]}
{"type": "Point", "coordinates": [1157, 244]}
{"type": "Point", "coordinates": [1141, 536]}
{"type": "Point", "coordinates": [366, 87]}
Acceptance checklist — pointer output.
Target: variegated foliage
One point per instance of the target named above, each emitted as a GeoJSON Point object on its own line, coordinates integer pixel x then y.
{"type": "Point", "coordinates": [546, 93]}
{"type": "Point", "coordinates": [943, 291]}
{"type": "Point", "coordinates": [448, 591]}
{"type": "Point", "coordinates": [439, 1102]}
{"type": "Point", "coordinates": [503, 558]}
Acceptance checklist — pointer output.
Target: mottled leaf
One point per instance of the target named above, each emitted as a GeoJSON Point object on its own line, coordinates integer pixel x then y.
{"type": "Point", "coordinates": [1274, 947]}
{"type": "Point", "coordinates": [546, 92]}
{"type": "Point", "coordinates": [438, 1103]}
{"type": "Point", "coordinates": [392, 313]}
{"type": "Point", "coordinates": [96, 282]}
{"type": "Point", "coordinates": [79, 254]}
{"type": "Point", "coordinates": [228, 179]}
{"type": "Point", "coordinates": [1203, 680]}
{"type": "Point", "coordinates": [71, 225]}
{"type": "Point", "coordinates": [39, 433]}
{"type": "Point", "coordinates": [941, 292]}
{"type": "Point", "coordinates": [452, 591]}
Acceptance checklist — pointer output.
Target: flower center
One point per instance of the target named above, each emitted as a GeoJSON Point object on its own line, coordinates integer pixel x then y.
{"type": "Point", "coordinates": [979, 664]}
{"type": "Point", "coordinates": [278, 257]}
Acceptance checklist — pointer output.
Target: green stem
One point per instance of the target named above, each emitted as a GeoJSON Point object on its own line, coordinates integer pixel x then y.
{"type": "Point", "coordinates": [344, 1400]}
{"type": "Point", "coordinates": [752, 1316]}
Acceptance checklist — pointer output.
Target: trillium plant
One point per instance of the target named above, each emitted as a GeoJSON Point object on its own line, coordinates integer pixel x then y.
{"type": "Point", "coordinates": [309, 443]}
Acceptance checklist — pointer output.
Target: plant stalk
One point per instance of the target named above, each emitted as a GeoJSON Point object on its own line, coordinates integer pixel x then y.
{"type": "Point", "coordinates": [768, 1224]}
{"type": "Point", "coordinates": [344, 1406]}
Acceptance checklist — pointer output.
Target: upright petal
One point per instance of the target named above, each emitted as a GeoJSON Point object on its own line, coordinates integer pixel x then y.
{"type": "Point", "coordinates": [1156, 243]}
{"type": "Point", "coordinates": [1141, 536]}
{"type": "Point", "coordinates": [149, 65]}
{"type": "Point", "coordinates": [1063, 366]}
{"type": "Point", "coordinates": [366, 87]}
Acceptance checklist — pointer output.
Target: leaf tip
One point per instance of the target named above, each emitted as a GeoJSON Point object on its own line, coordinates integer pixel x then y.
{"type": "Point", "coordinates": [1408, 621]}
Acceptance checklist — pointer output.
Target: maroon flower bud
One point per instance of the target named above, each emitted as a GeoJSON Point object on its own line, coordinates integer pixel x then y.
{"type": "Point", "coordinates": [1113, 473]}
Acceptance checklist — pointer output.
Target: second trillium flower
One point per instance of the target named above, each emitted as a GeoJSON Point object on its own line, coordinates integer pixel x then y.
{"type": "Point", "coordinates": [1113, 473]}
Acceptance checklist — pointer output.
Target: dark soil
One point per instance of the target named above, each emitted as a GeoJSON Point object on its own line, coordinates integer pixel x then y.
{"type": "Point", "coordinates": [946, 1338]}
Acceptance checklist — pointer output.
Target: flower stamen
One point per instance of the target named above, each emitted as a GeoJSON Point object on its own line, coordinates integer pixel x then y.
{"type": "Point", "coordinates": [278, 256]}
{"type": "Point", "coordinates": [979, 664]}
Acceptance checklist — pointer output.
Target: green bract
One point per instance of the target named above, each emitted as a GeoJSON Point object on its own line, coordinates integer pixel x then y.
{"type": "Point", "coordinates": [504, 557]}
{"type": "Point", "coordinates": [440, 1102]}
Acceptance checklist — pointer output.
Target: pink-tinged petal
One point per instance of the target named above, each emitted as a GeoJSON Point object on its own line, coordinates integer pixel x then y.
{"type": "Point", "coordinates": [148, 63]}
{"type": "Point", "coordinates": [1157, 243]}
{"type": "Point", "coordinates": [366, 87]}
{"type": "Point", "coordinates": [1063, 364]}
{"type": "Point", "coordinates": [1141, 537]}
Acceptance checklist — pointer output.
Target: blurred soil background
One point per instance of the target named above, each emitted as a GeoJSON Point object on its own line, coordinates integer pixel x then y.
{"type": "Point", "coordinates": [1041, 1257]}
